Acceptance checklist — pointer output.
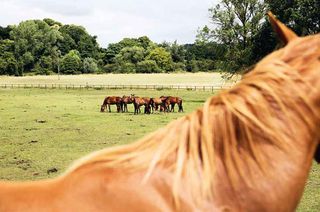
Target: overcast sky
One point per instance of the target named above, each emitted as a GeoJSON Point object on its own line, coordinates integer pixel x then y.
{"type": "Point", "coordinates": [112, 20]}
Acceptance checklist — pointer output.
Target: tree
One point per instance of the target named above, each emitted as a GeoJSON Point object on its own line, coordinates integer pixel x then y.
{"type": "Point", "coordinates": [114, 48]}
{"type": "Point", "coordinates": [5, 32]}
{"type": "Point", "coordinates": [147, 66]}
{"type": "Point", "coordinates": [236, 23]}
{"type": "Point", "coordinates": [133, 54]}
{"type": "Point", "coordinates": [162, 58]}
{"type": "Point", "coordinates": [32, 40]}
{"type": "Point", "coordinates": [71, 63]}
{"type": "Point", "coordinates": [8, 64]}
{"type": "Point", "coordinates": [89, 65]}
{"type": "Point", "coordinates": [300, 15]}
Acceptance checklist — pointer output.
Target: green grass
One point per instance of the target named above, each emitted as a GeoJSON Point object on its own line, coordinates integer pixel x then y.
{"type": "Point", "coordinates": [73, 126]}
{"type": "Point", "coordinates": [43, 129]}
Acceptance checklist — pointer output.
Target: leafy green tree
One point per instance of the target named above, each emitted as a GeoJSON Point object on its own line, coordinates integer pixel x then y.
{"type": "Point", "coordinates": [88, 46]}
{"type": "Point", "coordinates": [127, 67]}
{"type": "Point", "coordinates": [236, 23]}
{"type": "Point", "coordinates": [300, 15]}
{"type": "Point", "coordinates": [192, 66]}
{"type": "Point", "coordinates": [178, 52]}
{"type": "Point", "coordinates": [162, 58]}
{"type": "Point", "coordinates": [90, 65]}
{"type": "Point", "coordinates": [8, 64]}
{"type": "Point", "coordinates": [71, 63]}
{"type": "Point", "coordinates": [147, 66]}
{"type": "Point", "coordinates": [5, 32]}
{"type": "Point", "coordinates": [133, 54]}
{"type": "Point", "coordinates": [32, 40]}
{"type": "Point", "coordinates": [52, 22]}
{"type": "Point", "coordinates": [179, 66]}
{"type": "Point", "coordinates": [145, 42]}
{"type": "Point", "coordinates": [114, 48]}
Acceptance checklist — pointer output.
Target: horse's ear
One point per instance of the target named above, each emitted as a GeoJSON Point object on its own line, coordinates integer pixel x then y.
{"type": "Point", "coordinates": [284, 33]}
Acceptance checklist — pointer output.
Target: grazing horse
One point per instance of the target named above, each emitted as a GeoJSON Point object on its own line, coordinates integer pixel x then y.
{"type": "Point", "coordinates": [138, 102]}
{"type": "Point", "coordinates": [156, 103]}
{"type": "Point", "coordinates": [249, 148]}
{"type": "Point", "coordinates": [112, 100]}
{"type": "Point", "coordinates": [127, 100]}
{"type": "Point", "coordinates": [164, 107]}
{"type": "Point", "coordinates": [173, 101]}
{"type": "Point", "coordinates": [147, 106]}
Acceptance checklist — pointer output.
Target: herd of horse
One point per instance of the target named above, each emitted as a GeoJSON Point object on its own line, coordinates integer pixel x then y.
{"type": "Point", "coordinates": [162, 104]}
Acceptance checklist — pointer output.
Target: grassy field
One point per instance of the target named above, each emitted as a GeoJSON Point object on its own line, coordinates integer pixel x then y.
{"type": "Point", "coordinates": [42, 130]}
{"type": "Point", "coordinates": [192, 79]}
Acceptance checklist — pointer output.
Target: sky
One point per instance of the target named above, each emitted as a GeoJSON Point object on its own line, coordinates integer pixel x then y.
{"type": "Point", "coordinates": [112, 20]}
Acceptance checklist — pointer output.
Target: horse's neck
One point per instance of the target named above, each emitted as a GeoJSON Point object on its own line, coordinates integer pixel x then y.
{"type": "Point", "coordinates": [27, 196]}
{"type": "Point", "coordinates": [278, 188]}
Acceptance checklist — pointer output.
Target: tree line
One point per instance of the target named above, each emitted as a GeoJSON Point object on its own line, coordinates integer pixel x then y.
{"type": "Point", "coordinates": [239, 35]}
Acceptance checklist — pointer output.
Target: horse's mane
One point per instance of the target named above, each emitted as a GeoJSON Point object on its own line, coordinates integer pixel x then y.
{"type": "Point", "coordinates": [231, 125]}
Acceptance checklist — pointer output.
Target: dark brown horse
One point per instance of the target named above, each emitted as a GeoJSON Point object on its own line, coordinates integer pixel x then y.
{"type": "Point", "coordinates": [111, 100]}
{"type": "Point", "coordinates": [249, 148]}
{"type": "Point", "coordinates": [127, 100]}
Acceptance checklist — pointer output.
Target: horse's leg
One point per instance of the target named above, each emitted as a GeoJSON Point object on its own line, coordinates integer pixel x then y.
{"type": "Point", "coordinates": [109, 108]}
{"type": "Point", "coordinates": [180, 107]}
{"type": "Point", "coordinates": [135, 108]}
{"type": "Point", "coordinates": [172, 107]}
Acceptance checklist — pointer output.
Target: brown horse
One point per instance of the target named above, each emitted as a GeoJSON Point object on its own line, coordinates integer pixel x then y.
{"type": "Point", "coordinates": [249, 148]}
{"type": "Point", "coordinates": [138, 102]}
{"type": "Point", "coordinates": [173, 101]}
{"type": "Point", "coordinates": [127, 100]}
{"type": "Point", "coordinates": [111, 100]}
{"type": "Point", "coordinates": [156, 103]}
{"type": "Point", "coordinates": [147, 107]}
{"type": "Point", "coordinates": [164, 107]}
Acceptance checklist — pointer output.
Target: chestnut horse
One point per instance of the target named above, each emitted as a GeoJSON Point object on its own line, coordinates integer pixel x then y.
{"type": "Point", "coordinates": [164, 107]}
{"type": "Point", "coordinates": [138, 102]}
{"type": "Point", "coordinates": [112, 100]}
{"type": "Point", "coordinates": [127, 100]}
{"type": "Point", "coordinates": [173, 101]}
{"type": "Point", "coordinates": [170, 100]}
{"type": "Point", "coordinates": [156, 102]}
{"type": "Point", "coordinates": [249, 148]}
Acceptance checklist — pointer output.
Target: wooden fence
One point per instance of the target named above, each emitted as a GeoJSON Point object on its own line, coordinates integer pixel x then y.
{"type": "Point", "coordinates": [101, 87]}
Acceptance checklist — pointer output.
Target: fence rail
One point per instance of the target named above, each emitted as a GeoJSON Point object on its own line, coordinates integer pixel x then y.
{"type": "Point", "coordinates": [100, 87]}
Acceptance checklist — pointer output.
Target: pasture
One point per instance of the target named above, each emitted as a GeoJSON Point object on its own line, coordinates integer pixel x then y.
{"type": "Point", "coordinates": [43, 130]}
{"type": "Point", "coordinates": [190, 79]}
